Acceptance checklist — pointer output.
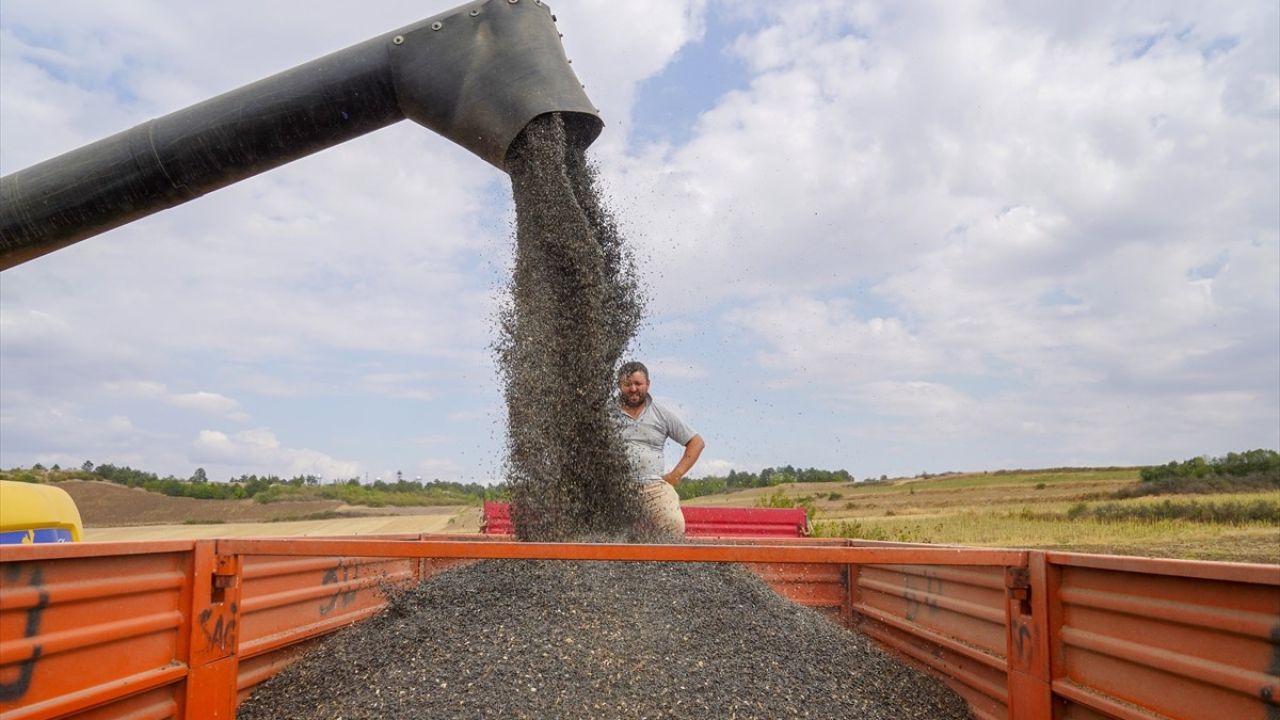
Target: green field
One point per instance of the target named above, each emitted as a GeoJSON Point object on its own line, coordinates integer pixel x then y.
{"type": "Point", "coordinates": [1044, 510]}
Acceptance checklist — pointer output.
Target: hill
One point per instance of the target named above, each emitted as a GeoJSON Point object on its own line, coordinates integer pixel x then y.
{"type": "Point", "coordinates": [104, 504]}
{"type": "Point", "coordinates": [1078, 510]}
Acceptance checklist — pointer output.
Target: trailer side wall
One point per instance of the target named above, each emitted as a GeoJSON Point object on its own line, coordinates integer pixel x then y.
{"type": "Point", "coordinates": [184, 629]}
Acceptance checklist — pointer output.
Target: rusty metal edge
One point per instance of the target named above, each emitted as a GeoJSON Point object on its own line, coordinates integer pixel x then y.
{"type": "Point", "coordinates": [268, 643]}
{"type": "Point", "coordinates": [935, 664]}
{"type": "Point", "coordinates": [625, 552]}
{"type": "Point", "coordinates": [955, 646]}
{"type": "Point", "coordinates": [267, 602]}
{"type": "Point", "coordinates": [55, 551]}
{"type": "Point", "coordinates": [89, 698]}
{"type": "Point", "coordinates": [1109, 706]}
{"type": "Point", "coordinates": [1202, 569]}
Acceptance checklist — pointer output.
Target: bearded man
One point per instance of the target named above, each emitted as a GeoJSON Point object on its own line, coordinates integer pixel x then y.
{"type": "Point", "coordinates": [645, 426]}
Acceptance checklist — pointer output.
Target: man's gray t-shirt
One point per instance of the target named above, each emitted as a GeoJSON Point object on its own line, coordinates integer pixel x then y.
{"type": "Point", "coordinates": [644, 437]}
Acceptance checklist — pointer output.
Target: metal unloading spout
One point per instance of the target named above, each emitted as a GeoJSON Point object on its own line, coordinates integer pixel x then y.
{"type": "Point", "coordinates": [476, 74]}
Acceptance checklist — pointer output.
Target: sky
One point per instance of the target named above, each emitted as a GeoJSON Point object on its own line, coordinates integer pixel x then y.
{"type": "Point", "coordinates": [884, 237]}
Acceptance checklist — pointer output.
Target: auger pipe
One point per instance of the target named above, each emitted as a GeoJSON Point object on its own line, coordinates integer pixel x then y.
{"type": "Point", "coordinates": [476, 74]}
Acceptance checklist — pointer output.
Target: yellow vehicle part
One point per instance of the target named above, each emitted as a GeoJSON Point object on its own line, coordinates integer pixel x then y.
{"type": "Point", "coordinates": [33, 513]}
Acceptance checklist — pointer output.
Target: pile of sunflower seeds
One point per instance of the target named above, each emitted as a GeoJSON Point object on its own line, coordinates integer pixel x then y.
{"type": "Point", "coordinates": [557, 639]}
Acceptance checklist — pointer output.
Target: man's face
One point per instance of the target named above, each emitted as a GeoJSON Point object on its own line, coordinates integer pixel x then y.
{"type": "Point", "coordinates": [634, 388]}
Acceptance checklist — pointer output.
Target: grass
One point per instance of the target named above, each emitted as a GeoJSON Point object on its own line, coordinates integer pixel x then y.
{"type": "Point", "coordinates": [1073, 510]}
{"type": "Point", "coordinates": [1249, 542]}
{"type": "Point", "coordinates": [969, 481]}
{"type": "Point", "coordinates": [361, 495]}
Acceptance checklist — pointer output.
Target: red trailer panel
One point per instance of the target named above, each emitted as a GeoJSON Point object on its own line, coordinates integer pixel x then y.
{"type": "Point", "coordinates": [79, 631]}
{"type": "Point", "coordinates": [180, 630]}
{"type": "Point", "coordinates": [726, 522]}
{"type": "Point", "coordinates": [1167, 636]}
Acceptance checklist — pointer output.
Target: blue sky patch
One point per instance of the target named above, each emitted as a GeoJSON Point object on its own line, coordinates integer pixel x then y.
{"type": "Point", "coordinates": [1209, 270]}
{"type": "Point", "coordinates": [1058, 295]}
{"type": "Point", "coordinates": [668, 104]}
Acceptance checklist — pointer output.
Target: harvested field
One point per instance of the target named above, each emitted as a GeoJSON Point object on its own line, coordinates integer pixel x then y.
{"type": "Point", "coordinates": [104, 504]}
{"type": "Point", "coordinates": [529, 639]}
{"type": "Point", "coordinates": [113, 512]}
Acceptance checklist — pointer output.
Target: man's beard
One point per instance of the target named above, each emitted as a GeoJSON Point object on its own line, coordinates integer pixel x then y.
{"type": "Point", "coordinates": [639, 402]}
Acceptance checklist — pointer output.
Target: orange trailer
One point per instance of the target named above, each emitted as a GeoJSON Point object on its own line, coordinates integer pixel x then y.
{"type": "Point", "coordinates": [185, 629]}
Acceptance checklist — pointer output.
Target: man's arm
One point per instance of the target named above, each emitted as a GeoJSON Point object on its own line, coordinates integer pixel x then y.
{"type": "Point", "coordinates": [692, 450]}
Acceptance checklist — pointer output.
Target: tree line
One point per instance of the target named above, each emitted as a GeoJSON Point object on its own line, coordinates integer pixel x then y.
{"type": "Point", "coordinates": [768, 477]}
{"type": "Point", "coordinates": [1241, 464]}
{"type": "Point", "coordinates": [267, 488]}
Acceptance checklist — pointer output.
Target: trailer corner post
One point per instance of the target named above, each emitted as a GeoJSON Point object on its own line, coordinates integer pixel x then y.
{"type": "Point", "coordinates": [852, 593]}
{"type": "Point", "coordinates": [213, 663]}
{"type": "Point", "coordinates": [1027, 624]}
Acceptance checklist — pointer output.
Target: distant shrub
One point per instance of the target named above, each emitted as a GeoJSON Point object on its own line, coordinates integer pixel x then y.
{"type": "Point", "coordinates": [779, 499]}
{"type": "Point", "coordinates": [768, 477]}
{"type": "Point", "coordinates": [1230, 512]}
{"type": "Point", "coordinates": [849, 529]}
{"type": "Point", "coordinates": [1200, 485]}
{"type": "Point", "coordinates": [1041, 486]}
{"type": "Point", "coordinates": [1242, 464]}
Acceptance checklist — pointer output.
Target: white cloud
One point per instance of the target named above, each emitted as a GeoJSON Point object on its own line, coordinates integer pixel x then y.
{"type": "Point", "coordinates": [598, 35]}
{"type": "Point", "coordinates": [714, 467]}
{"type": "Point", "coordinates": [208, 403]}
{"type": "Point", "coordinates": [211, 404]}
{"type": "Point", "coordinates": [919, 399]}
{"type": "Point", "coordinates": [53, 430]}
{"type": "Point", "coordinates": [858, 153]}
{"type": "Point", "coordinates": [826, 339]}
{"type": "Point", "coordinates": [259, 451]}
{"type": "Point", "coordinates": [675, 368]}
{"type": "Point", "coordinates": [399, 385]}
{"type": "Point", "coordinates": [438, 469]}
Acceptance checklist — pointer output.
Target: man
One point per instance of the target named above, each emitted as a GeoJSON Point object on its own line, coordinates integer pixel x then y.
{"type": "Point", "coordinates": [645, 426]}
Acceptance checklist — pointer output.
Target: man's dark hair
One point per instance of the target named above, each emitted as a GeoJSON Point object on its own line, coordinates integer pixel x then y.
{"type": "Point", "coordinates": [628, 368]}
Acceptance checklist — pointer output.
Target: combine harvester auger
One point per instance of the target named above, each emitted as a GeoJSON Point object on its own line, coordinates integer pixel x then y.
{"type": "Point", "coordinates": [476, 75]}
